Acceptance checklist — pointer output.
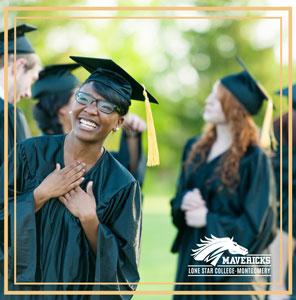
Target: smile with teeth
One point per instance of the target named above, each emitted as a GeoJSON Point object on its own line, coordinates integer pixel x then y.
{"type": "Point", "coordinates": [87, 124]}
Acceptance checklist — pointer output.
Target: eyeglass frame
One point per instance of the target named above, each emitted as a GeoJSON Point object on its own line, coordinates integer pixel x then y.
{"type": "Point", "coordinates": [114, 107]}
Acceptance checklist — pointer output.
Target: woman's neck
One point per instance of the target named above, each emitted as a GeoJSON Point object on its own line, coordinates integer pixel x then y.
{"type": "Point", "coordinates": [66, 125]}
{"type": "Point", "coordinates": [77, 150]}
{"type": "Point", "coordinates": [224, 136]}
{"type": "Point", "coordinates": [222, 143]}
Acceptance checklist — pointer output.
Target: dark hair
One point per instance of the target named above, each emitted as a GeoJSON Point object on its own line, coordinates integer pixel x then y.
{"type": "Point", "coordinates": [45, 112]}
{"type": "Point", "coordinates": [110, 95]}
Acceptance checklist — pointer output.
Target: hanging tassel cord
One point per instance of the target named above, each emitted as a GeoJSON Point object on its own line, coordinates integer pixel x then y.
{"type": "Point", "coordinates": [268, 140]}
{"type": "Point", "coordinates": [153, 154]}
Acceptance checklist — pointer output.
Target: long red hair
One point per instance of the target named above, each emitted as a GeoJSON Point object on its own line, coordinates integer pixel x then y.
{"type": "Point", "coordinates": [244, 133]}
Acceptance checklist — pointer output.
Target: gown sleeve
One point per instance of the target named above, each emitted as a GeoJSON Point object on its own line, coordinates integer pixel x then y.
{"type": "Point", "coordinates": [285, 187]}
{"type": "Point", "coordinates": [118, 245]}
{"type": "Point", "coordinates": [26, 247]}
{"type": "Point", "coordinates": [177, 213]}
{"type": "Point", "coordinates": [10, 130]}
{"type": "Point", "coordinates": [22, 126]}
{"type": "Point", "coordinates": [123, 157]}
{"type": "Point", "coordinates": [255, 225]}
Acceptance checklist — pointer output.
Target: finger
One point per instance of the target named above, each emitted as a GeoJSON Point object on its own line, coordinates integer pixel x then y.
{"type": "Point", "coordinates": [89, 188]}
{"type": "Point", "coordinates": [71, 167]}
{"type": "Point", "coordinates": [188, 195]}
{"type": "Point", "coordinates": [186, 202]}
{"type": "Point", "coordinates": [67, 196]}
{"type": "Point", "coordinates": [192, 206]}
{"type": "Point", "coordinates": [142, 127]}
{"type": "Point", "coordinates": [58, 166]}
{"type": "Point", "coordinates": [79, 168]}
{"type": "Point", "coordinates": [78, 189]}
{"type": "Point", "coordinates": [76, 176]}
{"type": "Point", "coordinates": [184, 207]}
{"type": "Point", "coordinates": [192, 201]}
{"type": "Point", "coordinates": [137, 127]}
{"type": "Point", "coordinates": [132, 124]}
{"type": "Point", "coordinates": [189, 208]}
{"type": "Point", "coordinates": [63, 200]}
{"type": "Point", "coordinates": [76, 183]}
{"type": "Point", "coordinates": [196, 191]}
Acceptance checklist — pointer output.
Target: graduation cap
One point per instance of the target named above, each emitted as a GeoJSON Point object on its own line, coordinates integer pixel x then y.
{"type": "Point", "coordinates": [251, 94]}
{"type": "Point", "coordinates": [108, 73]}
{"type": "Point", "coordinates": [22, 43]}
{"type": "Point", "coordinates": [55, 78]}
{"type": "Point", "coordinates": [245, 88]}
{"type": "Point", "coordinates": [285, 92]}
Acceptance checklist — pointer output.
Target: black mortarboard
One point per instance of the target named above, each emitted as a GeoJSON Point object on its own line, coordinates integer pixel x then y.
{"type": "Point", "coordinates": [22, 43]}
{"type": "Point", "coordinates": [285, 92]}
{"type": "Point", "coordinates": [107, 72]}
{"type": "Point", "coordinates": [55, 78]}
{"type": "Point", "coordinates": [245, 88]}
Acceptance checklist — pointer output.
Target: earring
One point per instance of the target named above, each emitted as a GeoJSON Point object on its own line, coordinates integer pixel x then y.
{"type": "Point", "coordinates": [70, 112]}
{"type": "Point", "coordinates": [116, 128]}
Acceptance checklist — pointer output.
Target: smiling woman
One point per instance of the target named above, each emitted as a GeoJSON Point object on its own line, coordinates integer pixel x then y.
{"type": "Point", "coordinates": [78, 209]}
{"type": "Point", "coordinates": [93, 116]}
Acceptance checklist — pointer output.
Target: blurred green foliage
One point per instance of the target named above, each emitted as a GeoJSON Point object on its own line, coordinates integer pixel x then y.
{"type": "Point", "coordinates": [178, 60]}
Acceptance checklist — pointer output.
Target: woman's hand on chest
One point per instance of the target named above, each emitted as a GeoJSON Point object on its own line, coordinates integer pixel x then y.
{"type": "Point", "coordinates": [81, 204]}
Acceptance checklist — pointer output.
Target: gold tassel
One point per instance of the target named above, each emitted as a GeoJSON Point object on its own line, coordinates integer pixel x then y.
{"type": "Point", "coordinates": [153, 154]}
{"type": "Point", "coordinates": [267, 139]}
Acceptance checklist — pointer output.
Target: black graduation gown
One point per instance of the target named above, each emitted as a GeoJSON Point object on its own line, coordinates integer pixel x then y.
{"type": "Point", "coordinates": [285, 196]}
{"type": "Point", "coordinates": [20, 132]}
{"type": "Point", "coordinates": [248, 216]}
{"type": "Point", "coordinates": [52, 246]}
{"type": "Point", "coordinates": [124, 158]}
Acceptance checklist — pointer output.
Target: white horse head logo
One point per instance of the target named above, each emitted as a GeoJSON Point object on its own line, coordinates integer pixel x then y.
{"type": "Point", "coordinates": [213, 248]}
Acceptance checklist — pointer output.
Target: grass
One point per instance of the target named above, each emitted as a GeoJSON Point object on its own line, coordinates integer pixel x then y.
{"type": "Point", "coordinates": [157, 263]}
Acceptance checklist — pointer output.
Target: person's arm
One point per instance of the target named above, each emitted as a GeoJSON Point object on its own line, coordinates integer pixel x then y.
{"type": "Point", "coordinates": [115, 240]}
{"type": "Point", "coordinates": [90, 227]}
{"type": "Point", "coordinates": [132, 141]}
{"type": "Point", "coordinates": [82, 205]}
{"type": "Point", "coordinates": [10, 130]}
{"type": "Point", "coordinates": [130, 153]}
{"type": "Point", "coordinates": [25, 230]}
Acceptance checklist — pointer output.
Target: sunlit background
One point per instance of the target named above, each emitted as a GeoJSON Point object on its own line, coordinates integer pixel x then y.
{"type": "Point", "coordinates": [178, 60]}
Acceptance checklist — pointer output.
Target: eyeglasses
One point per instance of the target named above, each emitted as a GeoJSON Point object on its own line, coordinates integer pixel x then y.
{"type": "Point", "coordinates": [102, 105]}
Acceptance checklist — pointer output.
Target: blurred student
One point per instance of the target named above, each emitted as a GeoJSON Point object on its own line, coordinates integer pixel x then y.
{"type": "Point", "coordinates": [283, 215]}
{"type": "Point", "coordinates": [55, 91]}
{"type": "Point", "coordinates": [27, 66]}
{"type": "Point", "coordinates": [225, 194]}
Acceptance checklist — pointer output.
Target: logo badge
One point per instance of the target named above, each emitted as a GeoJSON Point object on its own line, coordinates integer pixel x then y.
{"type": "Point", "coordinates": [213, 248]}
{"type": "Point", "coordinates": [225, 257]}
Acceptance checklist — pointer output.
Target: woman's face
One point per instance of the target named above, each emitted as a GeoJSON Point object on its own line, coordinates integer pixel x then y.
{"type": "Point", "coordinates": [90, 124]}
{"type": "Point", "coordinates": [213, 112]}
